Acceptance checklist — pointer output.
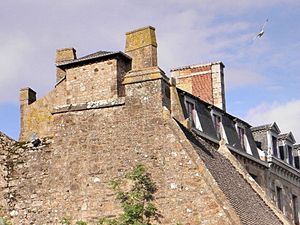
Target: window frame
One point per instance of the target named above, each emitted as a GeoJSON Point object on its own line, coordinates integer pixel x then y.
{"type": "Point", "coordinates": [194, 115]}
{"type": "Point", "coordinates": [222, 133]}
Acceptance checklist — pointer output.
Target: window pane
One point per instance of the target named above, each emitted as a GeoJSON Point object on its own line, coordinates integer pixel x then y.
{"type": "Point", "coordinates": [296, 158]}
{"type": "Point", "coordinates": [290, 154]}
{"type": "Point", "coordinates": [217, 123]}
{"type": "Point", "coordinates": [281, 152]}
{"type": "Point", "coordinates": [274, 145]}
{"type": "Point", "coordinates": [279, 197]}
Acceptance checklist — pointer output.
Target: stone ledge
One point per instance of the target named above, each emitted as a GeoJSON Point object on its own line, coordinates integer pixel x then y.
{"type": "Point", "coordinates": [89, 105]}
{"type": "Point", "coordinates": [151, 73]}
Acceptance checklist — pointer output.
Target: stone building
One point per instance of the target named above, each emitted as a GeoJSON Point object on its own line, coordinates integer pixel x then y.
{"type": "Point", "coordinates": [112, 110]}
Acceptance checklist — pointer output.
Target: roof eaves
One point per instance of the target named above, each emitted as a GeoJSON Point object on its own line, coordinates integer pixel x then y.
{"type": "Point", "coordinates": [196, 66]}
{"type": "Point", "coordinates": [208, 105]}
{"type": "Point", "coordinates": [93, 56]}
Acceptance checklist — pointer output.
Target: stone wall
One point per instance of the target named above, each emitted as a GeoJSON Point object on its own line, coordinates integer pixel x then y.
{"type": "Point", "coordinates": [6, 146]}
{"type": "Point", "coordinates": [36, 117]}
{"type": "Point", "coordinates": [289, 184]}
{"type": "Point", "coordinates": [261, 136]}
{"type": "Point", "coordinates": [71, 176]}
{"type": "Point", "coordinates": [86, 83]}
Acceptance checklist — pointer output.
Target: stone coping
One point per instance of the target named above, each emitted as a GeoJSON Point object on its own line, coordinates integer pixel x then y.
{"type": "Point", "coordinates": [89, 105]}
{"type": "Point", "coordinates": [278, 162]}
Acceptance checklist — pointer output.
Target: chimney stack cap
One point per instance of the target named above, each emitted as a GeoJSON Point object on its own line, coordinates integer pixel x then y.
{"type": "Point", "coordinates": [65, 54]}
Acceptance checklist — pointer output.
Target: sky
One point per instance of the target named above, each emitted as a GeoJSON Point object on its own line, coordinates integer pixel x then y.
{"type": "Point", "coordinates": [262, 78]}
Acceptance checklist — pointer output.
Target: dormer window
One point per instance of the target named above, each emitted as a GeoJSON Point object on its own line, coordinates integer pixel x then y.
{"type": "Point", "coordinates": [192, 113]}
{"type": "Point", "coordinates": [281, 152]}
{"type": "Point", "coordinates": [241, 133]}
{"type": "Point", "coordinates": [290, 154]}
{"type": "Point", "coordinates": [274, 146]}
{"type": "Point", "coordinates": [218, 125]}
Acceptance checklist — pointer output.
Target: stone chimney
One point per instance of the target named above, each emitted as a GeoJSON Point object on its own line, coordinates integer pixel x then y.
{"type": "Point", "coordinates": [146, 85]}
{"type": "Point", "coordinates": [205, 81]}
{"type": "Point", "coordinates": [141, 46]}
{"type": "Point", "coordinates": [63, 55]}
{"type": "Point", "coordinates": [27, 96]}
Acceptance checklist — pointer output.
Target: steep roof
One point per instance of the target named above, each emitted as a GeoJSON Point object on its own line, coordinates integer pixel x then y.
{"type": "Point", "coordinates": [249, 206]}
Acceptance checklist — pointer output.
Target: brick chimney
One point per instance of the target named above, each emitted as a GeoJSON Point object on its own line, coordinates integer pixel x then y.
{"type": "Point", "coordinates": [63, 55]}
{"type": "Point", "coordinates": [141, 46]}
{"type": "Point", "coordinates": [205, 81]}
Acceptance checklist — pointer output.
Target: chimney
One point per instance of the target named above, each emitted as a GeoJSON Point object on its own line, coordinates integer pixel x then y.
{"type": "Point", "coordinates": [27, 96]}
{"type": "Point", "coordinates": [206, 81]}
{"type": "Point", "coordinates": [63, 55]}
{"type": "Point", "coordinates": [141, 46]}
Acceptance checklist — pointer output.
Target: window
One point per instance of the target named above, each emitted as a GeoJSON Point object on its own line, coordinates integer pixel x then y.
{"type": "Point", "coordinates": [281, 152]}
{"type": "Point", "coordinates": [279, 197]}
{"type": "Point", "coordinates": [296, 159]}
{"type": "Point", "coordinates": [241, 133]}
{"type": "Point", "coordinates": [274, 145]}
{"type": "Point", "coordinates": [290, 154]}
{"type": "Point", "coordinates": [191, 112]}
{"type": "Point", "coordinates": [218, 125]}
{"type": "Point", "coordinates": [295, 209]}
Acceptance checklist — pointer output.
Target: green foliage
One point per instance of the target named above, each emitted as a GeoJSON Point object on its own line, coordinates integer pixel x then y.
{"type": "Point", "coordinates": [4, 221]}
{"type": "Point", "coordinates": [65, 221]}
{"type": "Point", "coordinates": [80, 222]}
{"type": "Point", "coordinates": [136, 202]}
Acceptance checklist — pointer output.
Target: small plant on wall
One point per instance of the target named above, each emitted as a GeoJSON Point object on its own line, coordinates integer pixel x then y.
{"type": "Point", "coordinates": [135, 194]}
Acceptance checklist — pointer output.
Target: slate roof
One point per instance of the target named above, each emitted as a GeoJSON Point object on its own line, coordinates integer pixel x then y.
{"type": "Point", "coordinates": [249, 206]}
{"type": "Point", "coordinates": [297, 147]}
{"type": "Point", "coordinates": [93, 56]}
{"type": "Point", "coordinates": [261, 127]}
{"type": "Point", "coordinates": [288, 136]}
{"type": "Point", "coordinates": [195, 66]}
{"type": "Point", "coordinates": [266, 127]}
{"type": "Point", "coordinates": [228, 122]}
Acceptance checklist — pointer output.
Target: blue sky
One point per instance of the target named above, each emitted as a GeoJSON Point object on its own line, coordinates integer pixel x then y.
{"type": "Point", "coordinates": [262, 78]}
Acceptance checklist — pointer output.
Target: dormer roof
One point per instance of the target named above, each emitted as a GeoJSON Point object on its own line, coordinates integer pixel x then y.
{"type": "Point", "coordinates": [287, 137]}
{"type": "Point", "coordinates": [266, 127]}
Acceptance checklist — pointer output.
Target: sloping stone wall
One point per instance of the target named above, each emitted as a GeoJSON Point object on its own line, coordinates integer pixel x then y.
{"type": "Point", "coordinates": [71, 176]}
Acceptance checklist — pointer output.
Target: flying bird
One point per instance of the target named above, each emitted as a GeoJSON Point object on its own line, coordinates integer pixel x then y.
{"type": "Point", "coordinates": [262, 31]}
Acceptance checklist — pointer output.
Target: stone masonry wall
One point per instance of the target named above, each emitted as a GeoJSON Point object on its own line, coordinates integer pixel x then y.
{"type": "Point", "coordinates": [70, 177]}
{"type": "Point", "coordinates": [37, 118]}
{"type": "Point", "coordinates": [97, 81]}
{"type": "Point", "coordinates": [289, 187]}
{"type": "Point", "coordinates": [6, 145]}
{"type": "Point", "coordinates": [91, 82]}
{"type": "Point", "coordinates": [261, 136]}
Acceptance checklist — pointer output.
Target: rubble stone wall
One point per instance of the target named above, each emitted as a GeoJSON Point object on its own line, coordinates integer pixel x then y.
{"type": "Point", "coordinates": [70, 177]}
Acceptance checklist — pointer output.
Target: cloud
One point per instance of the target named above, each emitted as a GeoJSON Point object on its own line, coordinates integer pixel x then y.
{"type": "Point", "coordinates": [286, 115]}
{"type": "Point", "coordinates": [235, 78]}
{"type": "Point", "coordinates": [188, 32]}
{"type": "Point", "coordinates": [14, 51]}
